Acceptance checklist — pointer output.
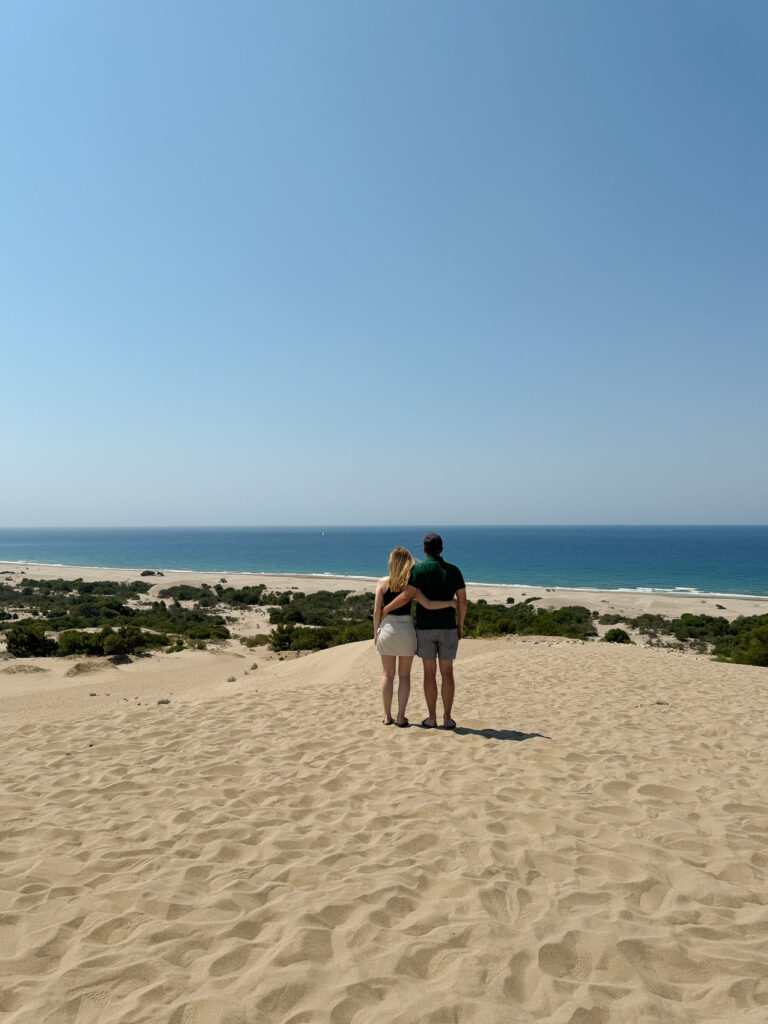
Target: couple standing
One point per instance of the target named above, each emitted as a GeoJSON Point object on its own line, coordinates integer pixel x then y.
{"type": "Point", "coordinates": [440, 594]}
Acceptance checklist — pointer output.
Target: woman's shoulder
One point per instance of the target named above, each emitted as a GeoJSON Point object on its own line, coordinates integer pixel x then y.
{"type": "Point", "coordinates": [383, 583]}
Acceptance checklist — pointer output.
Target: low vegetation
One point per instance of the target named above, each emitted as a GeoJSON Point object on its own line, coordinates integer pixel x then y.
{"type": "Point", "coordinates": [526, 620]}
{"type": "Point", "coordinates": [111, 618]}
{"type": "Point", "coordinates": [104, 618]}
{"type": "Point", "coordinates": [743, 641]}
{"type": "Point", "coordinates": [617, 636]}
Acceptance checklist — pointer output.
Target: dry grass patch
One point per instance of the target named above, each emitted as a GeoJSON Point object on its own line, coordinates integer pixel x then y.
{"type": "Point", "coordinates": [83, 668]}
{"type": "Point", "coordinates": [16, 670]}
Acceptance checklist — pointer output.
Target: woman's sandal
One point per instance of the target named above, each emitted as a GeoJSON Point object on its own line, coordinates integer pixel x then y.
{"type": "Point", "coordinates": [390, 722]}
{"type": "Point", "coordinates": [403, 725]}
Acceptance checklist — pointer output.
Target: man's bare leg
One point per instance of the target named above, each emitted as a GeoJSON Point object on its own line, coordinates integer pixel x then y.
{"type": "Point", "coordinates": [430, 690]}
{"type": "Point", "coordinates": [447, 690]}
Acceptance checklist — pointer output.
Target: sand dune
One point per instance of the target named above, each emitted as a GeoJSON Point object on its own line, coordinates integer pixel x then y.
{"type": "Point", "coordinates": [590, 846]}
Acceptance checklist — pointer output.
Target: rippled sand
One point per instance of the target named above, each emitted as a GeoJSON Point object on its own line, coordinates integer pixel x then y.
{"type": "Point", "coordinates": [590, 846]}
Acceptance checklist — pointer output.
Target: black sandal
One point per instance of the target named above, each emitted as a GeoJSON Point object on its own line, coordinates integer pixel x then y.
{"type": "Point", "coordinates": [404, 725]}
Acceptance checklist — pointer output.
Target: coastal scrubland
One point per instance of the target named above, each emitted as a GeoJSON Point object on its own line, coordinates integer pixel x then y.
{"type": "Point", "coordinates": [49, 617]}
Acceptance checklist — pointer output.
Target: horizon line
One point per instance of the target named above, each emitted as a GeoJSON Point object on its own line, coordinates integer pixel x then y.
{"type": "Point", "coordinates": [371, 526]}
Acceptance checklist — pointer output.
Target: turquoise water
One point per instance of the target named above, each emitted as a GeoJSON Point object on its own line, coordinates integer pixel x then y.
{"type": "Point", "coordinates": [709, 559]}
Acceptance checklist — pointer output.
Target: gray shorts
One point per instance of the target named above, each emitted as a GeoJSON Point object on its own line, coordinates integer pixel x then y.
{"type": "Point", "coordinates": [437, 643]}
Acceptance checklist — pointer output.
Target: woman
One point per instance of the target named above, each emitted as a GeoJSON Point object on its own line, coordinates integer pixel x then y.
{"type": "Point", "coordinates": [395, 634]}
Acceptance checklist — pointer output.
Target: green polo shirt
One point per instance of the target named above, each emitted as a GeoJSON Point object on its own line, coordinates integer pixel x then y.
{"type": "Point", "coordinates": [438, 580]}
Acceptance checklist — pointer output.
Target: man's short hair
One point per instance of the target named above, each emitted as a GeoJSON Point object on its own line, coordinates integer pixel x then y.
{"type": "Point", "coordinates": [433, 544]}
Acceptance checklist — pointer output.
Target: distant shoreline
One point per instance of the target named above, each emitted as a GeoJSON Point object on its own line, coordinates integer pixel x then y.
{"type": "Point", "coordinates": [723, 562]}
{"type": "Point", "coordinates": [671, 603]}
{"type": "Point", "coordinates": [661, 591]}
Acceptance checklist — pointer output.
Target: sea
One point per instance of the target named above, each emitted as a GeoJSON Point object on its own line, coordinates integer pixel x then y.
{"type": "Point", "coordinates": [721, 560]}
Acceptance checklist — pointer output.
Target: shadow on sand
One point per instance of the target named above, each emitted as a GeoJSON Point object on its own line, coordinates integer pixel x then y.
{"type": "Point", "coordinates": [500, 734]}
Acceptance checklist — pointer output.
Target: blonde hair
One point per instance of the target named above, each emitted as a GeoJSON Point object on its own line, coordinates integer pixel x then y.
{"type": "Point", "coordinates": [401, 561]}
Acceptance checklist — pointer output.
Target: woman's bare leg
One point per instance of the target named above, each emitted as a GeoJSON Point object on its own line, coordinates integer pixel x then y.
{"type": "Point", "coordinates": [388, 663]}
{"type": "Point", "coordinates": [403, 687]}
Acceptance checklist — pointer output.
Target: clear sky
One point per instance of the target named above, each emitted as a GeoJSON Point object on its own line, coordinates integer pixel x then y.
{"type": "Point", "coordinates": [373, 261]}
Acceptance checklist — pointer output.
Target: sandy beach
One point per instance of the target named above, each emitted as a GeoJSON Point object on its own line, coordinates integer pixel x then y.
{"type": "Point", "coordinates": [589, 847]}
{"type": "Point", "coordinates": [623, 602]}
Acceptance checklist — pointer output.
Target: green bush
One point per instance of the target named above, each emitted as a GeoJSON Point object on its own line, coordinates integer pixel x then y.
{"type": "Point", "coordinates": [104, 587]}
{"type": "Point", "coordinates": [130, 640]}
{"type": "Point", "coordinates": [244, 596]}
{"type": "Point", "coordinates": [750, 647]}
{"type": "Point", "coordinates": [72, 641]}
{"type": "Point", "coordinates": [184, 592]}
{"type": "Point", "coordinates": [28, 640]}
{"type": "Point", "coordinates": [486, 620]}
{"type": "Point", "coordinates": [617, 636]}
{"type": "Point", "coordinates": [259, 640]}
{"type": "Point", "coordinates": [281, 597]}
{"type": "Point", "coordinates": [280, 637]}
{"type": "Point", "coordinates": [308, 640]}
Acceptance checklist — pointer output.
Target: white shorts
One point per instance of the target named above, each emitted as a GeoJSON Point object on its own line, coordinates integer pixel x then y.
{"type": "Point", "coordinates": [396, 636]}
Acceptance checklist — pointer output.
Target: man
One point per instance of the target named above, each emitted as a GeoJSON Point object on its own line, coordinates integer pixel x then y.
{"type": "Point", "coordinates": [437, 632]}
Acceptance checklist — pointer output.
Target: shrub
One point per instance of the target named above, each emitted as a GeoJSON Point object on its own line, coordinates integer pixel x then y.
{"type": "Point", "coordinates": [130, 640]}
{"type": "Point", "coordinates": [71, 641]}
{"type": "Point", "coordinates": [28, 640]}
{"type": "Point", "coordinates": [183, 592]}
{"type": "Point", "coordinates": [245, 595]}
{"type": "Point", "coordinates": [259, 640]}
{"type": "Point", "coordinates": [751, 647]}
{"type": "Point", "coordinates": [573, 621]}
{"type": "Point", "coordinates": [306, 639]}
{"type": "Point", "coordinates": [209, 629]}
{"type": "Point", "coordinates": [280, 637]}
{"type": "Point", "coordinates": [281, 597]}
{"type": "Point", "coordinates": [617, 636]}
{"type": "Point", "coordinates": [108, 587]}
{"type": "Point", "coordinates": [527, 620]}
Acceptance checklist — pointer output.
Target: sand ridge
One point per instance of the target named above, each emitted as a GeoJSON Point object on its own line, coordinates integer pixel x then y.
{"type": "Point", "coordinates": [589, 847]}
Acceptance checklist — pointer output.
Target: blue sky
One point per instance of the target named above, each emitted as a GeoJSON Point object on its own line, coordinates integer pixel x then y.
{"type": "Point", "coordinates": [369, 262]}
